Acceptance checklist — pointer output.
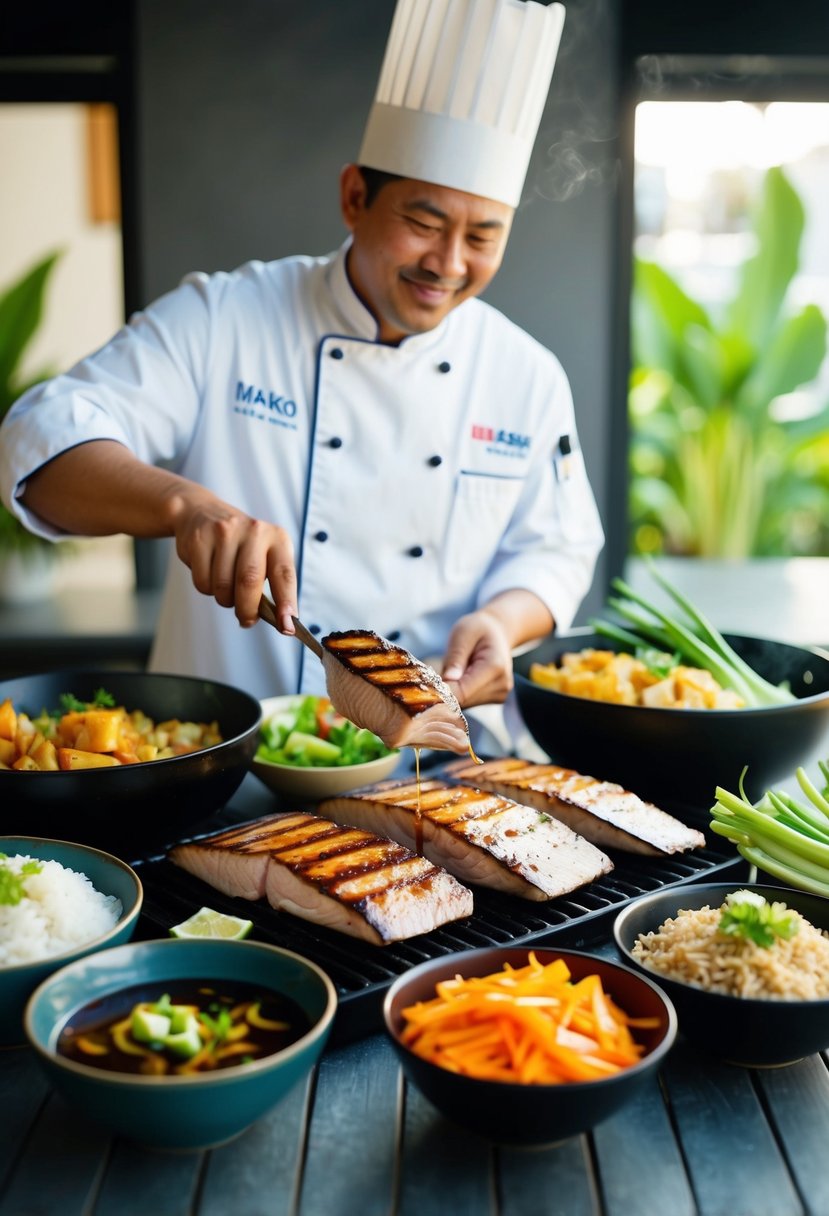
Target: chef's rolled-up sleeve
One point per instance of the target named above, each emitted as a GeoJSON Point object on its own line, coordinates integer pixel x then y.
{"type": "Point", "coordinates": [142, 389]}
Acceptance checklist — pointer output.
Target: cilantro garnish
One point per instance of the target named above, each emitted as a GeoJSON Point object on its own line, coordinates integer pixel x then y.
{"type": "Point", "coordinates": [101, 700]}
{"type": "Point", "coordinates": [12, 883]}
{"type": "Point", "coordinates": [746, 914]}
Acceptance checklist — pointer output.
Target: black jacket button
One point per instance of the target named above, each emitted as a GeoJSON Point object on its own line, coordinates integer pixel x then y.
{"type": "Point", "coordinates": [320, 536]}
{"type": "Point", "coordinates": [336, 353]}
{"type": "Point", "coordinates": [434, 461]}
{"type": "Point", "coordinates": [444, 366]}
{"type": "Point", "coordinates": [393, 636]}
{"type": "Point", "coordinates": [315, 629]}
{"type": "Point", "coordinates": [335, 442]}
{"type": "Point", "coordinates": [416, 551]}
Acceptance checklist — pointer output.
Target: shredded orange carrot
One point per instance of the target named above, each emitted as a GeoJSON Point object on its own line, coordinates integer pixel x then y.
{"type": "Point", "coordinates": [528, 1024]}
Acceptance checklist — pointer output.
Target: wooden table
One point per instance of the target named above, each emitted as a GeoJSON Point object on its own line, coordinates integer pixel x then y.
{"type": "Point", "coordinates": [705, 1139]}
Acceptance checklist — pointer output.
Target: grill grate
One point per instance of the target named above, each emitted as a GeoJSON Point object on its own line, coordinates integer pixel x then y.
{"type": "Point", "coordinates": [362, 973]}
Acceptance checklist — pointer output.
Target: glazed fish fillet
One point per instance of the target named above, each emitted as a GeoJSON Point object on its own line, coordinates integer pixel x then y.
{"type": "Point", "coordinates": [605, 813]}
{"type": "Point", "coordinates": [345, 879]}
{"type": "Point", "coordinates": [480, 837]}
{"type": "Point", "coordinates": [387, 690]}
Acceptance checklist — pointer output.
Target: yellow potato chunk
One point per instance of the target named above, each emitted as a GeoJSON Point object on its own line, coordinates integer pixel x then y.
{"type": "Point", "coordinates": [8, 720]}
{"type": "Point", "coordinates": [74, 758]}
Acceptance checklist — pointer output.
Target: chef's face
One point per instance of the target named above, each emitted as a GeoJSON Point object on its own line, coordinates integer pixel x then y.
{"type": "Point", "coordinates": [419, 250]}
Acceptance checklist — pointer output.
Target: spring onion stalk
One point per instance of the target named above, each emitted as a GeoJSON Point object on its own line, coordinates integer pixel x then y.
{"type": "Point", "coordinates": [797, 815]}
{"type": "Point", "coordinates": [690, 647]}
{"type": "Point", "coordinates": [795, 878]}
{"type": "Point", "coordinates": [782, 835]}
{"type": "Point", "coordinates": [710, 634]}
{"type": "Point", "coordinates": [812, 793]}
{"type": "Point", "coordinates": [696, 639]}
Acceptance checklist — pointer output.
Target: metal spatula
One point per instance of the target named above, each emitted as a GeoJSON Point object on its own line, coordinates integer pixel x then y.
{"type": "Point", "coordinates": [268, 614]}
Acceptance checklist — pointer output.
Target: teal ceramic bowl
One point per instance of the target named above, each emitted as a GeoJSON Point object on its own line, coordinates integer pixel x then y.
{"type": "Point", "coordinates": [174, 1111]}
{"type": "Point", "coordinates": [110, 876]}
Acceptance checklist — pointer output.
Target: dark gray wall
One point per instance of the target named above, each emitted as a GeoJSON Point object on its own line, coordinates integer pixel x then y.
{"type": "Point", "coordinates": [247, 110]}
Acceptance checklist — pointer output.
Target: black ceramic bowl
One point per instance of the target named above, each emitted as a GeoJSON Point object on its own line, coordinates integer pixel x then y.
{"type": "Point", "coordinates": [678, 757]}
{"type": "Point", "coordinates": [133, 807]}
{"type": "Point", "coordinates": [530, 1115]}
{"type": "Point", "coordinates": [752, 1032]}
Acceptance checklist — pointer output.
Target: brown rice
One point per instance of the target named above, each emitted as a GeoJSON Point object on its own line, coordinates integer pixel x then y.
{"type": "Point", "coordinates": [689, 947]}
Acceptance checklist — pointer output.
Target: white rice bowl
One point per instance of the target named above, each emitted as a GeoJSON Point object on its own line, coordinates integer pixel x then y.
{"type": "Point", "coordinates": [60, 911]}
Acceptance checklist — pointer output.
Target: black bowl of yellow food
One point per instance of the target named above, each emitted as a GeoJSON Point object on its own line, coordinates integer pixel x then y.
{"type": "Point", "coordinates": [507, 1091]}
{"type": "Point", "coordinates": [676, 757]}
{"type": "Point", "coordinates": [72, 771]}
{"type": "Point", "coordinates": [749, 997]}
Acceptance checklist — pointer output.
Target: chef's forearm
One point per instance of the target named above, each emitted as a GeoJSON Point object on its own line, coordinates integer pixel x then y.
{"type": "Point", "coordinates": [521, 614]}
{"type": "Point", "coordinates": [100, 489]}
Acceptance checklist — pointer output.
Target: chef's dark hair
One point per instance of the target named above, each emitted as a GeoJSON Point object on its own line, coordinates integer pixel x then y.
{"type": "Point", "coordinates": [375, 180]}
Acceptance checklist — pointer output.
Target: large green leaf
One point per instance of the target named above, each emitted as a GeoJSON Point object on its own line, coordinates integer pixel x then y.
{"type": "Point", "coordinates": [793, 357]}
{"type": "Point", "coordinates": [765, 277]}
{"type": "Point", "coordinates": [21, 309]}
{"type": "Point", "coordinates": [662, 314]}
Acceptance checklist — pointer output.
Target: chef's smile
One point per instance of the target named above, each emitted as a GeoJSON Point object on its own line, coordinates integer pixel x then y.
{"type": "Point", "coordinates": [419, 250]}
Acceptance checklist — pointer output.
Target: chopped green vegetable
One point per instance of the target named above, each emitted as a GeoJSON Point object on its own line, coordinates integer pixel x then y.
{"type": "Point", "coordinates": [12, 882]}
{"type": "Point", "coordinates": [101, 699]}
{"type": "Point", "coordinates": [315, 735]}
{"type": "Point", "coordinates": [695, 640]}
{"type": "Point", "coordinates": [220, 1026]}
{"type": "Point", "coordinates": [747, 914]}
{"type": "Point", "coordinates": [781, 835]}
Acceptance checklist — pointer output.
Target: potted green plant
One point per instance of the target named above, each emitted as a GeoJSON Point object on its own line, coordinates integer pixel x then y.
{"type": "Point", "coordinates": [718, 468]}
{"type": "Point", "coordinates": [26, 560]}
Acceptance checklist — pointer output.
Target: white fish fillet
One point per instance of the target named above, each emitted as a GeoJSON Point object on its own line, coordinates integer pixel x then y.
{"type": "Point", "coordinates": [350, 880]}
{"type": "Point", "coordinates": [601, 811]}
{"type": "Point", "coordinates": [384, 688]}
{"type": "Point", "coordinates": [481, 838]}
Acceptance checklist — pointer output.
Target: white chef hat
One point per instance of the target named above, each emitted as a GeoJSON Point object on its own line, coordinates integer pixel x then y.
{"type": "Point", "coordinates": [461, 93]}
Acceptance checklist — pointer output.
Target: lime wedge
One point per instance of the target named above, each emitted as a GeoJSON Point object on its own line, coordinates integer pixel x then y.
{"type": "Point", "coordinates": [209, 923]}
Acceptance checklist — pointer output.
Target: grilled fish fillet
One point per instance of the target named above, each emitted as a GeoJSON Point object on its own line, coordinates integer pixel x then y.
{"type": "Point", "coordinates": [364, 885]}
{"type": "Point", "coordinates": [386, 689]}
{"type": "Point", "coordinates": [480, 837]}
{"type": "Point", "coordinates": [601, 811]}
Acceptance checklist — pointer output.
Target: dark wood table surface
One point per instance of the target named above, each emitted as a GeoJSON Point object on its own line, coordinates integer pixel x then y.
{"type": "Point", "coordinates": [703, 1139]}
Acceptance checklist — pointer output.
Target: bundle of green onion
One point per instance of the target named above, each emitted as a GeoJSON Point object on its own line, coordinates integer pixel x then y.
{"type": "Point", "coordinates": [694, 641]}
{"type": "Point", "coordinates": [781, 835]}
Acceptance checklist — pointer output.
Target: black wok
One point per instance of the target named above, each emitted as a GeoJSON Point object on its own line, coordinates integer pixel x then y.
{"type": "Point", "coordinates": [135, 807]}
{"type": "Point", "coordinates": [677, 757]}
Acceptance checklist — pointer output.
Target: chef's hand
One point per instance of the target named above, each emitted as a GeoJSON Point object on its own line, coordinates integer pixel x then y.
{"type": "Point", "coordinates": [230, 556]}
{"type": "Point", "coordinates": [478, 660]}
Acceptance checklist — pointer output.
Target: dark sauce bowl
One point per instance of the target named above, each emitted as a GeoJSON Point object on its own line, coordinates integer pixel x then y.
{"type": "Point", "coordinates": [175, 1111]}
{"type": "Point", "coordinates": [530, 1115]}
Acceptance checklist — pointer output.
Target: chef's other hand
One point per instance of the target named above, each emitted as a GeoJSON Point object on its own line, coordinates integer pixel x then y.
{"type": "Point", "coordinates": [231, 555]}
{"type": "Point", "coordinates": [478, 660]}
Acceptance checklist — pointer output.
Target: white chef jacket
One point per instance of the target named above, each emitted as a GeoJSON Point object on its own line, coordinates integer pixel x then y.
{"type": "Point", "coordinates": [417, 481]}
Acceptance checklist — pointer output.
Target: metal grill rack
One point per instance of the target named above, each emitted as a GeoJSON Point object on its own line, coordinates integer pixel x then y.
{"type": "Point", "coordinates": [362, 973]}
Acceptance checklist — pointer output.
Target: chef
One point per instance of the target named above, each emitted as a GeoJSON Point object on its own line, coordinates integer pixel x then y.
{"type": "Point", "coordinates": [357, 433]}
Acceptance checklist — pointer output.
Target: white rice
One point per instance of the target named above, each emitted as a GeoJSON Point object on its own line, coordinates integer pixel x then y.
{"type": "Point", "coordinates": [60, 911]}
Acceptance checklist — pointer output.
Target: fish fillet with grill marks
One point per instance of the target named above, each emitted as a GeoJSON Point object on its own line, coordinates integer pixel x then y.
{"type": "Point", "coordinates": [346, 879]}
{"type": "Point", "coordinates": [602, 811]}
{"type": "Point", "coordinates": [387, 690]}
{"type": "Point", "coordinates": [480, 837]}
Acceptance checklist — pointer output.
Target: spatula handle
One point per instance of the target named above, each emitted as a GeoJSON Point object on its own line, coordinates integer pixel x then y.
{"type": "Point", "coordinates": [268, 614]}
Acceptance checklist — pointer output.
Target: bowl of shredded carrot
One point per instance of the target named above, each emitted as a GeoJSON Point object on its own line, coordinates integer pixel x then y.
{"type": "Point", "coordinates": [528, 1047]}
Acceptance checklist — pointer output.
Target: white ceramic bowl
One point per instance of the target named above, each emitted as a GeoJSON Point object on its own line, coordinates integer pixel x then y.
{"type": "Point", "coordinates": [313, 784]}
